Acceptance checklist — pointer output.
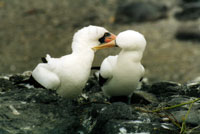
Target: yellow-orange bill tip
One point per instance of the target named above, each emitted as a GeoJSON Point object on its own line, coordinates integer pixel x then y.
{"type": "Point", "coordinates": [105, 45]}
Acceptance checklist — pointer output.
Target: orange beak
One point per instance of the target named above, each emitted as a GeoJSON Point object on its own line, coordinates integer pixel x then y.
{"type": "Point", "coordinates": [110, 42]}
{"type": "Point", "coordinates": [106, 45]}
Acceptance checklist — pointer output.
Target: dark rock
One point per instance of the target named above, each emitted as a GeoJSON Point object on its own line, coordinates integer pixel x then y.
{"type": "Point", "coordinates": [192, 89]}
{"type": "Point", "coordinates": [180, 112]}
{"type": "Point", "coordinates": [92, 85]}
{"type": "Point", "coordinates": [92, 91]}
{"type": "Point", "coordinates": [188, 32]}
{"type": "Point", "coordinates": [124, 99]}
{"type": "Point", "coordinates": [113, 120]}
{"type": "Point", "coordinates": [163, 89]}
{"type": "Point", "coordinates": [2, 131]}
{"type": "Point", "coordinates": [193, 117]}
{"type": "Point", "coordinates": [190, 10]}
{"type": "Point", "coordinates": [129, 127]}
{"type": "Point", "coordinates": [116, 111]}
{"type": "Point", "coordinates": [143, 97]}
{"type": "Point", "coordinates": [33, 110]}
{"type": "Point", "coordinates": [6, 85]}
{"type": "Point", "coordinates": [190, 1]}
{"type": "Point", "coordinates": [138, 11]}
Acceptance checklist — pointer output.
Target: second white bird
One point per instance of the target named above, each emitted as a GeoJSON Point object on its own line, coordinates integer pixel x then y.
{"type": "Point", "coordinates": [120, 74]}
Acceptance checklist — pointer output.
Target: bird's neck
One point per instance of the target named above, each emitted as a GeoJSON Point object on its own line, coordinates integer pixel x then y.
{"type": "Point", "coordinates": [81, 46]}
{"type": "Point", "coordinates": [84, 54]}
{"type": "Point", "coordinates": [134, 56]}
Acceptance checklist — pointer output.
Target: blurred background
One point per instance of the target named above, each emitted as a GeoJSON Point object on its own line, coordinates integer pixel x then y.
{"type": "Point", "coordinates": [29, 29]}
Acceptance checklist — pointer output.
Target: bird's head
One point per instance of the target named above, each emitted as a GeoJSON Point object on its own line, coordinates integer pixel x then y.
{"type": "Point", "coordinates": [91, 36]}
{"type": "Point", "coordinates": [127, 40]}
{"type": "Point", "coordinates": [131, 40]}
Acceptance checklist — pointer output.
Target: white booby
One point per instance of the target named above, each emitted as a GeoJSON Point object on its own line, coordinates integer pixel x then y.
{"type": "Point", "coordinates": [120, 75]}
{"type": "Point", "coordinates": [69, 74]}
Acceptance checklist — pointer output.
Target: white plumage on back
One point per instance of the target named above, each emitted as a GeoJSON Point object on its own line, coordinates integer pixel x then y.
{"type": "Point", "coordinates": [69, 74]}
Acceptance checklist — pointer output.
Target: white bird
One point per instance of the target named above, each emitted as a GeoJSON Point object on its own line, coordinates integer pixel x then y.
{"type": "Point", "coordinates": [120, 75]}
{"type": "Point", "coordinates": [69, 74]}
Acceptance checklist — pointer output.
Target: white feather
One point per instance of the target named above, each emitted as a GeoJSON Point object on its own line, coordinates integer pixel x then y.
{"type": "Point", "coordinates": [107, 66]}
{"type": "Point", "coordinates": [125, 70]}
{"type": "Point", "coordinates": [69, 74]}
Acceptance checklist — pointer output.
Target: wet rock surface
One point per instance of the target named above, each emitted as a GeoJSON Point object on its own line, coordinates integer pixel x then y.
{"type": "Point", "coordinates": [28, 110]}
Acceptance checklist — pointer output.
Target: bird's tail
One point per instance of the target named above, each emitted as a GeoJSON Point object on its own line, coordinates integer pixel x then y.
{"type": "Point", "coordinates": [46, 59]}
{"type": "Point", "coordinates": [30, 81]}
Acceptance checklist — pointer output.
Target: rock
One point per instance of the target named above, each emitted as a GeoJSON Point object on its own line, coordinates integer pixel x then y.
{"type": "Point", "coordinates": [180, 112]}
{"type": "Point", "coordinates": [6, 85]}
{"type": "Point", "coordinates": [192, 89]}
{"type": "Point", "coordinates": [136, 127]}
{"type": "Point", "coordinates": [119, 118]}
{"type": "Point", "coordinates": [163, 89]}
{"type": "Point", "coordinates": [188, 32]}
{"type": "Point", "coordinates": [190, 1]}
{"type": "Point", "coordinates": [143, 97]}
{"type": "Point", "coordinates": [190, 10]}
{"type": "Point", "coordinates": [138, 11]}
{"type": "Point", "coordinates": [36, 111]}
{"type": "Point", "coordinates": [193, 117]}
{"type": "Point", "coordinates": [25, 109]}
{"type": "Point", "coordinates": [3, 131]}
{"type": "Point", "coordinates": [92, 85]}
{"type": "Point", "coordinates": [116, 111]}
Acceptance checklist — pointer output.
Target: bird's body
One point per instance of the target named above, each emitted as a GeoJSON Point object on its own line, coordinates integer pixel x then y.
{"type": "Point", "coordinates": [124, 71]}
{"type": "Point", "coordinates": [125, 75]}
{"type": "Point", "coordinates": [69, 74]}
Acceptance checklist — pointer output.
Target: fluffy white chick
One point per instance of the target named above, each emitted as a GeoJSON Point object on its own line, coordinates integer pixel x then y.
{"type": "Point", "coordinates": [120, 75]}
{"type": "Point", "coordinates": [69, 74]}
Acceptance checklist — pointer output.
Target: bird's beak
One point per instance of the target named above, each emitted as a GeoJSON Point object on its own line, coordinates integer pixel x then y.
{"type": "Point", "coordinates": [106, 45]}
{"type": "Point", "coordinates": [109, 42]}
{"type": "Point", "coordinates": [110, 38]}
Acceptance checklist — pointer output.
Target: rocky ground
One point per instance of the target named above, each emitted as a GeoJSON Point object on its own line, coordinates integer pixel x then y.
{"type": "Point", "coordinates": [28, 110]}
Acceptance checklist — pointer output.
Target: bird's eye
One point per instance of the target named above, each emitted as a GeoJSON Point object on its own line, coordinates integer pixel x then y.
{"type": "Point", "coordinates": [107, 34]}
{"type": "Point", "coordinates": [102, 39]}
